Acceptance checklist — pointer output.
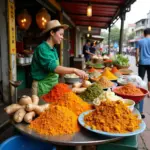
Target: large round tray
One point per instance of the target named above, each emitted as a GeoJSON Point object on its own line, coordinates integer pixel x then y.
{"type": "Point", "coordinates": [82, 123]}
{"type": "Point", "coordinates": [80, 138]}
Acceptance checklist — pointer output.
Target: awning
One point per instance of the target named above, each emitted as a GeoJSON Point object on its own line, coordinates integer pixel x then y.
{"type": "Point", "coordinates": [97, 37]}
{"type": "Point", "coordinates": [104, 12]}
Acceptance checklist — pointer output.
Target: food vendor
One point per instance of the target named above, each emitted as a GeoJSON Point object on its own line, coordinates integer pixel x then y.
{"type": "Point", "coordinates": [45, 68]}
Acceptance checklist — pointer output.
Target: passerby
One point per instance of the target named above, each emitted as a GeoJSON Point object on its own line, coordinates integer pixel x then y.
{"type": "Point", "coordinates": [92, 48]}
{"type": "Point", "coordinates": [86, 51]}
{"type": "Point", "coordinates": [143, 61]}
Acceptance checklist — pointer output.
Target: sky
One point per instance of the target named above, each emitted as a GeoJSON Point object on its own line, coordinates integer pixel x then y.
{"type": "Point", "coordinates": [139, 10]}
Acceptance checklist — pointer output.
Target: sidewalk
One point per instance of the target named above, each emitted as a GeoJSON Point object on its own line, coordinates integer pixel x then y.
{"type": "Point", "coordinates": [144, 138]}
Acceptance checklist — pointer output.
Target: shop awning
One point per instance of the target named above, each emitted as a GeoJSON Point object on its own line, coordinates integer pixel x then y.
{"type": "Point", "coordinates": [97, 37]}
{"type": "Point", "coordinates": [104, 12]}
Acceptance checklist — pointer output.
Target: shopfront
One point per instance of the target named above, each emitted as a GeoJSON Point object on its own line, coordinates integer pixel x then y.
{"type": "Point", "coordinates": [20, 36]}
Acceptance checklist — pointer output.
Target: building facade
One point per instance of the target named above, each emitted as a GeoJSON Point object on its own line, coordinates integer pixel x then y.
{"type": "Point", "coordinates": [140, 26]}
{"type": "Point", "coordinates": [148, 19]}
{"type": "Point", "coordinates": [131, 28]}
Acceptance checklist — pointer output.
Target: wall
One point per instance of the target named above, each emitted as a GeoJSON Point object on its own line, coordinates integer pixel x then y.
{"type": "Point", "coordinates": [4, 50]}
{"type": "Point", "coordinates": [0, 64]}
{"type": "Point", "coordinates": [69, 41]}
{"type": "Point", "coordinates": [139, 33]}
{"type": "Point", "coordinates": [78, 43]}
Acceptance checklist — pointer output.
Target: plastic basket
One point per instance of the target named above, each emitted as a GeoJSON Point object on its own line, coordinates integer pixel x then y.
{"type": "Point", "coordinates": [25, 143]}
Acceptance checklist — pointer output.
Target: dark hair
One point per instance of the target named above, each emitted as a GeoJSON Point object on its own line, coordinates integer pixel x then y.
{"type": "Point", "coordinates": [146, 31]}
{"type": "Point", "coordinates": [87, 41]}
{"type": "Point", "coordinates": [92, 44]}
{"type": "Point", "coordinates": [47, 34]}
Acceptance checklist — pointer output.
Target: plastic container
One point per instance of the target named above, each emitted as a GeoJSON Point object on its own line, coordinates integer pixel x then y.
{"type": "Point", "coordinates": [25, 143]}
{"type": "Point", "coordinates": [21, 60]}
{"type": "Point", "coordinates": [130, 103]}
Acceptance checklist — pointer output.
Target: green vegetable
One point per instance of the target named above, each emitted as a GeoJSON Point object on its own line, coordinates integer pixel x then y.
{"type": "Point", "coordinates": [98, 66]}
{"type": "Point", "coordinates": [91, 92]}
{"type": "Point", "coordinates": [121, 60]}
{"type": "Point", "coordinates": [89, 63]}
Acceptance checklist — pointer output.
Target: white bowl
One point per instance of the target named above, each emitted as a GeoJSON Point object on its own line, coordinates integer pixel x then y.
{"type": "Point", "coordinates": [130, 103]}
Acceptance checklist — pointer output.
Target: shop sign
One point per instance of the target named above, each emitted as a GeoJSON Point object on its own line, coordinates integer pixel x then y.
{"type": "Point", "coordinates": [11, 27]}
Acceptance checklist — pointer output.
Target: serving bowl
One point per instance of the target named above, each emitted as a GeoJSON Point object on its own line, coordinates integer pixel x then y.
{"type": "Point", "coordinates": [125, 71]}
{"type": "Point", "coordinates": [71, 80]}
{"type": "Point", "coordinates": [130, 103]}
{"type": "Point", "coordinates": [121, 67]}
{"type": "Point", "coordinates": [136, 98]}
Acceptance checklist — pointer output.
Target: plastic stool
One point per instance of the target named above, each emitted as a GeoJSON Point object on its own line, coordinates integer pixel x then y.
{"type": "Point", "coordinates": [128, 143]}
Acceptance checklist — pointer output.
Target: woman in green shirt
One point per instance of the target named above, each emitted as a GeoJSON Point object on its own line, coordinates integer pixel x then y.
{"type": "Point", "coordinates": [45, 64]}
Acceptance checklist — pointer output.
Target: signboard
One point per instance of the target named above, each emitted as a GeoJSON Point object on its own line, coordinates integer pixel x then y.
{"type": "Point", "coordinates": [12, 46]}
{"type": "Point", "coordinates": [11, 27]}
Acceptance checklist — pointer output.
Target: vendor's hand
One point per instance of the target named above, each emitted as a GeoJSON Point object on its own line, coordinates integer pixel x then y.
{"type": "Point", "coordinates": [82, 74]}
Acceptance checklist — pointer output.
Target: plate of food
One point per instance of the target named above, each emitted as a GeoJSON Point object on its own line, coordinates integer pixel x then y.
{"type": "Point", "coordinates": [103, 128]}
{"type": "Point", "coordinates": [105, 83]}
{"type": "Point", "coordinates": [125, 71]}
{"type": "Point", "coordinates": [98, 66]}
{"type": "Point", "coordinates": [136, 93]}
{"type": "Point", "coordinates": [113, 86]}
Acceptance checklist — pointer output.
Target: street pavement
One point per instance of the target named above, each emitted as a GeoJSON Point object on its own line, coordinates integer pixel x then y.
{"type": "Point", "coordinates": [144, 138]}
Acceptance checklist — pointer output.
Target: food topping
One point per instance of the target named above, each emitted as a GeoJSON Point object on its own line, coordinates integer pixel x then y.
{"type": "Point", "coordinates": [129, 89]}
{"type": "Point", "coordinates": [58, 120]}
{"type": "Point", "coordinates": [112, 116]}
{"type": "Point", "coordinates": [105, 83]}
{"type": "Point", "coordinates": [91, 92]}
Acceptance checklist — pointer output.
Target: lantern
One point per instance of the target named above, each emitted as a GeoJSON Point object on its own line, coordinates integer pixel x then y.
{"type": "Point", "coordinates": [24, 20]}
{"type": "Point", "coordinates": [89, 10]}
{"type": "Point", "coordinates": [42, 18]}
{"type": "Point", "coordinates": [88, 35]}
{"type": "Point", "coordinates": [89, 28]}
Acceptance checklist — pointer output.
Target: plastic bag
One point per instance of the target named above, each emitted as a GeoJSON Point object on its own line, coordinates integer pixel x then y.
{"type": "Point", "coordinates": [137, 80]}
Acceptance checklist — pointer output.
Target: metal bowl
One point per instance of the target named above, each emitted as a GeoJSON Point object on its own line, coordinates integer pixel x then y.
{"type": "Point", "coordinates": [71, 80]}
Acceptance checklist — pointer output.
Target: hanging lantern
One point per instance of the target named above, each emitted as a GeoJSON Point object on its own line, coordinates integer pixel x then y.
{"type": "Point", "coordinates": [89, 28]}
{"type": "Point", "coordinates": [88, 35]}
{"type": "Point", "coordinates": [89, 10]}
{"type": "Point", "coordinates": [42, 17]}
{"type": "Point", "coordinates": [24, 20]}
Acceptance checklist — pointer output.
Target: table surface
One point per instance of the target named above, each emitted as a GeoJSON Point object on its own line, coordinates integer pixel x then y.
{"type": "Point", "coordinates": [84, 137]}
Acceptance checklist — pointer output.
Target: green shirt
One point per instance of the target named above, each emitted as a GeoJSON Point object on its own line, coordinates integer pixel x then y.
{"type": "Point", "coordinates": [44, 61]}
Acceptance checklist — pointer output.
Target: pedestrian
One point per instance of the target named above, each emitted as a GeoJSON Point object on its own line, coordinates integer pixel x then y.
{"type": "Point", "coordinates": [45, 68]}
{"type": "Point", "coordinates": [143, 61]}
{"type": "Point", "coordinates": [86, 51]}
{"type": "Point", "coordinates": [92, 48]}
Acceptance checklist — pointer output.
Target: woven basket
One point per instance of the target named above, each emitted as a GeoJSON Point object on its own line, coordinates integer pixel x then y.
{"type": "Point", "coordinates": [122, 67]}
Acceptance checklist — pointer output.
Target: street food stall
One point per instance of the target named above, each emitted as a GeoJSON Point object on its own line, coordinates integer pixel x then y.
{"type": "Point", "coordinates": [79, 113]}
{"type": "Point", "coordinates": [98, 110]}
